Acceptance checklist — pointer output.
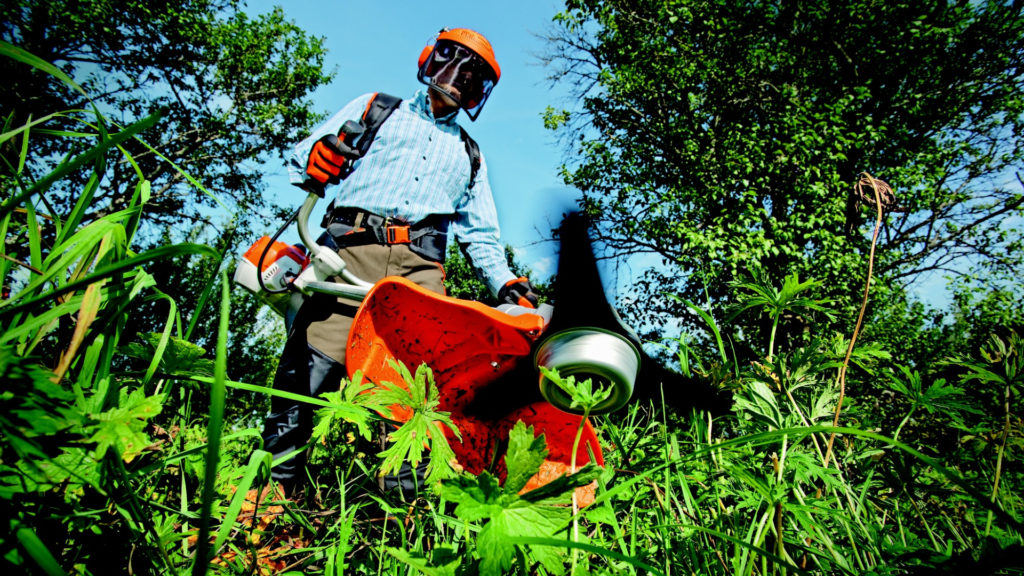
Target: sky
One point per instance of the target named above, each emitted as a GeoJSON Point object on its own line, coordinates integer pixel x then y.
{"type": "Point", "coordinates": [374, 47]}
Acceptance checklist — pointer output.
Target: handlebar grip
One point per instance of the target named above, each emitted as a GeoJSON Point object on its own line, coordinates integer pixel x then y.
{"type": "Point", "coordinates": [312, 187]}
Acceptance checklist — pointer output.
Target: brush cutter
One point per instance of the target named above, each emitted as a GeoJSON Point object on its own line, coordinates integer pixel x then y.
{"type": "Point", "coordinates": [587, 344]}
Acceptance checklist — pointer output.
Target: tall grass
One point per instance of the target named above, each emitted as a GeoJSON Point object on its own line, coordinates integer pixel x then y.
{"type": "Point", "coordinates": [99, 476]}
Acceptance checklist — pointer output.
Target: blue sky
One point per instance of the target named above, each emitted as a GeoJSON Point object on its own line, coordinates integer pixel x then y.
{"type": "Point", "coordinates": [374, 46]}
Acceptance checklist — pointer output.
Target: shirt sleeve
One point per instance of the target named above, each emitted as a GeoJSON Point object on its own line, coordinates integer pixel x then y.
{"type": "Point", "coordinates": [300, 154]}
{"type": "Point", "coordinates": [475, 227]}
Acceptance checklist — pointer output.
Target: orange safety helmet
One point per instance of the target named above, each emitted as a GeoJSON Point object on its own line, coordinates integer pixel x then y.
{"type": "Point", "coordinates": [473, 75]}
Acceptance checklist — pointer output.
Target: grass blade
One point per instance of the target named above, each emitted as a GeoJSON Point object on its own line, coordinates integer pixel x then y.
{"type": "Point", "coordinates": [259, 463]}
{"type": "Point", "coordinates": [69, 167]}
{"type": "Point", "coordinates": [214, 431]}
{"type": "Point", "coordinates": [709, 320]}
{"type": "Point", "coordinates": [25, 57]}
{"type": "Point", "coordinates": [109, 270]}
{"type": "Point", "coordinates": [165, 337]}
{"type": "Point", "coordinates": [557, 543]}
{"type": "Point", "coordinates": [38, 551]}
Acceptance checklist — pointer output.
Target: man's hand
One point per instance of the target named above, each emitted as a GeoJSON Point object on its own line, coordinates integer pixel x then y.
{"type": "Point", "coordinates": [327, 158]}
{"type": "Point", "coordinates": [518, 292]}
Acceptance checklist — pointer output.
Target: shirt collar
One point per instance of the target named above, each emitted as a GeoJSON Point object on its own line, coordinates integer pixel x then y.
{"type": "Point", "coordinates": [421, 104]}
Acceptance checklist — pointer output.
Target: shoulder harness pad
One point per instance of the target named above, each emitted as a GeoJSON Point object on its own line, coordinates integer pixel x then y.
{"type": "Point", "coordinates": [378, 109]}
{"type": "Point", "coordinates": [473, 149]}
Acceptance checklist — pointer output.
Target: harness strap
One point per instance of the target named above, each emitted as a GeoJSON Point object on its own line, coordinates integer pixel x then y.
{"type": "Point", "coordinates": [378, 109]}
{"type": "Point", "coordinates": [354, 227]}
{"type": "Point", "coordinates": [475, 158]}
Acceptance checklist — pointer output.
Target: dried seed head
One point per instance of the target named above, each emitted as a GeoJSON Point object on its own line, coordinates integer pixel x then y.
{"type": "Point", "coordinates": [864, 191]}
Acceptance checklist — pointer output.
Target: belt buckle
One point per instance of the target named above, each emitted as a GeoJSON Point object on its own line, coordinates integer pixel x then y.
{"type": "Point", "coordinates": [396, 234]}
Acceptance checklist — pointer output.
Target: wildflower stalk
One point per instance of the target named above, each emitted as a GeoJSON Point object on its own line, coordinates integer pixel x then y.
{"type": "Point", "coordinates": [585, 397]}
{"type": "Point", "coordinates": [999, 459]}
{"type": "Point", "coordinates": [575, 500]}
{"type": "Point", "coordinates": [860, 316]}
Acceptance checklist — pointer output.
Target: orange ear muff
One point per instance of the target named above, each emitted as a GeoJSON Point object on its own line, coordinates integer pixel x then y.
{"type": "Point", "coordinates": [425, 55]}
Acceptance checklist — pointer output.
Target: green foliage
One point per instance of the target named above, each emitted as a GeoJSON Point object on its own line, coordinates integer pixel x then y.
{"type": "Point", "coordinates": [999, 376]}
{"type": "Point", "coordinates": [723, 137]}
{"type": "Point", "coordinates": [349, 406]}
{"type": "Point", "coordinates": [232, 90]}
{"type": "Point", "coordinates": [174, 356]}
{"type": "Point", "coordinates": [509, 514]}
{"type": "Point", "coordinates": [583, 396]}
{"type": "Point", "coordinates": [462, 282]}
{"type": "Point", "coordinates": [1002, 364]}
{"type": "Point", "coordinates": [254, 342]}
{"type": "Point", "coordinates": [79, 434]}
{"type": "Point", "coordinates": [442, 561]}
{"type": "Point", "coordinates": [761, 295]}
{"type": "Point", "coordinates": [423, 429]}
{"type": "Point", "coordinates": [70, 300]}
{"type": "Point", "coordinates": [938, 398]}
{"type": "Point", "coordinates": [109, 464]}
{"type": "Point", "coordinates": [121, 427]}
{"type": "Point", "coordinates": [31, 404]}
{"type": "Point", "coordinates": [148, 62]}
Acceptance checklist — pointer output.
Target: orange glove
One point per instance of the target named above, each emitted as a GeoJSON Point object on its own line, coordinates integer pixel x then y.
{"type": "Point", "coordinates": [327, 159]}
{"type": "Point", "coordinates": [519, 292]}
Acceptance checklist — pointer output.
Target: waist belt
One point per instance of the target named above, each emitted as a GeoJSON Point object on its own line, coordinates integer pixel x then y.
{"type": "Point", "coordinates": [354, 227]}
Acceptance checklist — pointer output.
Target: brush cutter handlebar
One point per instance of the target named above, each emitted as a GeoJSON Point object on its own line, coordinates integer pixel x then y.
{"type": "Point", "coordinates": [325, 263]}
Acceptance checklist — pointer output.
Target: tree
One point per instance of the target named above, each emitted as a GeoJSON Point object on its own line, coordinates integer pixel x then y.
{"type": "Point", "coordinates": [725, 137]}
{"type": "Point", "coordinates": [462, 282]}
{"type": "Point", "coordinates": [233, 91]}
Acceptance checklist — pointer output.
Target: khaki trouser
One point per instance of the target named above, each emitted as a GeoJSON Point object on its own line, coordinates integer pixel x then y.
{"type": "Point", "coordinates": [328, 322]}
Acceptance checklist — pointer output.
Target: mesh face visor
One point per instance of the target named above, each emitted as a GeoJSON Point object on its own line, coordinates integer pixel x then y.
{"type": "Point", "coordinates": [459, 73]}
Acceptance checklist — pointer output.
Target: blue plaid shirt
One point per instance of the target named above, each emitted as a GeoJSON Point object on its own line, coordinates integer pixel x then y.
{"type": "Point", "coordinates": [418, 166]}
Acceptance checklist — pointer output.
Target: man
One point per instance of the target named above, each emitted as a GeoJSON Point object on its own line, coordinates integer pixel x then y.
{"type": "Point", "coordinates": [396, 204]}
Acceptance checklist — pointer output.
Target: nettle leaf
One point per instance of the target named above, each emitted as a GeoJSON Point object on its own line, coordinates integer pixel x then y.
{"type": "Point", "coordinates": [422, 431]}
{"type": "Point", "coordinates": [945, 398]}
{"type": "Point", "coordinates": [32, 405]}
{"type": "Point", "coordinates": [583, 394]}
{"type": "Point", "coordinates": [179, 357]}
{"type": "Point", "coordinates": [349, 405]}
{"type": "Point", "coordinates": [74, 469]}
{"type": "Point", "coordinates": [509, 514]}
{"type": "Point", "coordinates": [78, 468]}
{"type": "Point", "coordinates": [759, 403]}
{"type": "Point", "coordinates": [602, 513]}
{"type": "Point", "coordinates": [524, 520]}
{"type": "Point", "coordinates": [824, 405]}
{"type": "Point", "coordinates": [476, 497]}
{"type": "Point", "coordinates": [122, 427]}
{"type": "Point", "coordinates": [480, 498]}
{"type": "Point", "coordinates": [807, 470]}
{"type": "Point", "coordinates": [524, 456]}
